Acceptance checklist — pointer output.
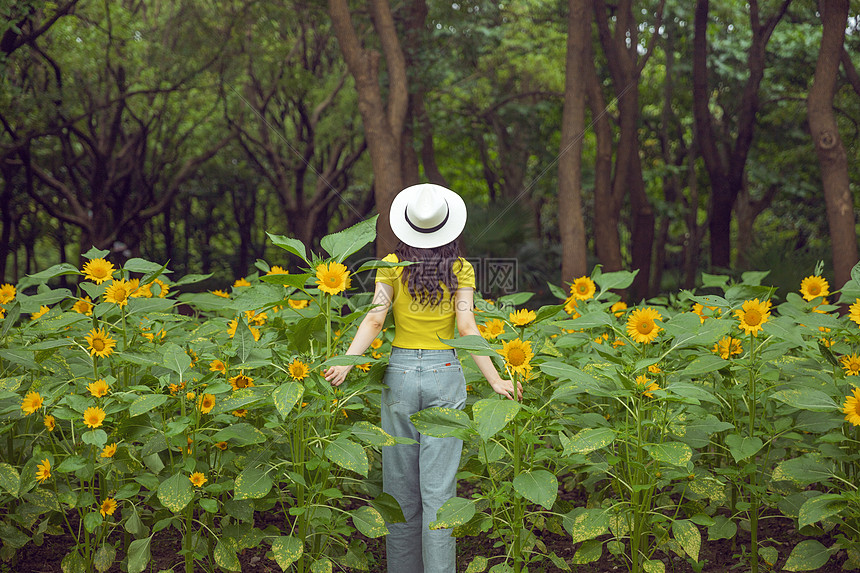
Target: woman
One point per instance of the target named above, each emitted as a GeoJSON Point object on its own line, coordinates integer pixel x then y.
{"type": "Point", "coordinates": [423, 372]}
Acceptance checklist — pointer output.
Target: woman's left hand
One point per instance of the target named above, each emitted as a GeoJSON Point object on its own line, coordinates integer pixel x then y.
{"type": "Point", "coordinates": [335, 375]}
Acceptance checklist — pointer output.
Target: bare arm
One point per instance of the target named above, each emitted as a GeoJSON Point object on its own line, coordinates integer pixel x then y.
{"type": "Point", "coordinates": [368, 330]}
{"type": "Point", "coordinates": [466, 325]}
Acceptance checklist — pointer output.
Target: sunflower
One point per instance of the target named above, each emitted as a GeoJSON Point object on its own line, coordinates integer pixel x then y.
{"type": "Point", "coordinates": [118, 292]}
{"type": "Point", "coordinates": [641, 325]}
{"type": "Point", "coordinates": [142, 291]}
{"type": "Point", "coordinates": [108, 507]}
{"type": "Point", "coordinates": [299, 370]}
{"type": "Point", "coordinates": [220, 293]}
{"type": "Point", "coordinates": [217, 366]}
{"type": "Point", "coordinates": [583, 288]}
{"type": "Point", "coordinates": [570, 307]}
{"type": "Point", "coordinates": [7, 293]}
{"type": "Point", "coordinates": [2, 312]}
{"type": "Point", "coordinates": [31, 402]}
{"type": "Point", "coordinates": [100, 343]}
{"type": "Point", "coordinates": [163, 288]}
{"type": "Point", "coordinates": [276, 270]}
{"type": "Point", "coordinates": [240, 413]}
{"type": "Point", "coordinates": [813, 287]}
{"type": "Point", "coordinates": [43, 310]}
{"type": "Point", "coordinates": [752, 315]}
{"type": "Point", "coordinates": [646, 385]}
{"type": "Point", "coordinates": [618, 308]}
{"type": "Point", "coordinates": [522, 317]}
{"type": "Point", "coordinates": [852, 407]}
{"type": "Point", "coordinates": [98, 270]}
{"type": "Point", "coordinates": [206, 403]}
{"type": "Point", "coordinates": [851, 364]}
{"type": "Point", "coordinates": [258, 319]}
{"type": "Point", "coordinates": [221, 445]}
{"type": "Point", "coordinates": [855, 311]}
{"type": "Point", "coordinates": [241, 381]}
{"type": "Point", "coordinates": [50, 422]}
{"type": "Point", "coordinates": [109, 451]}
{"type": "Point", "coordinates": [727, 346]}
{"type": "Point", "coordinates": [492, 328]}
{"type": "Point", "coordinates": [364, 367]}
{"type": "Point", "coordinates": [98, 388]}
{"type": "Point", "coordinates": [83, 306]}
{"type": "Point", "coordinates": [376, 344]}
{"type": "Point", "coordinates": [43, 470]}
{"type": "Point", "coordinates": [298, 303]}
{"type": "Point", "coordinates": [333, 277]}
{"type": "Point", "coordinates": [197, 479]}
{"type": "Point", "coordinates": [517, 354]}
{"type": "Point", "coordinates": [233, 324]}
{"type": "Point", "coordinates": [655, 369]}
{"type": "Point", "coordinates": [93, 417]}
{"type": "Point", "coordinates": [243, 282]}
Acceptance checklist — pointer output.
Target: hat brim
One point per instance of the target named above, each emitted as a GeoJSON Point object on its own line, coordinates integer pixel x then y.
{"type": "Point", "coordinates": [452, 228]}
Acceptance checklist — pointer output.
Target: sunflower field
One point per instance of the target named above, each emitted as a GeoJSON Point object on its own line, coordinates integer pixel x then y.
{"type": "Point", "coordinates": [135, 405]}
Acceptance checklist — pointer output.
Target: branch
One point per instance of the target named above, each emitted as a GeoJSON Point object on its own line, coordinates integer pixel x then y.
{"type": "Point", "coordinates": [10, 45]}
{"type": "Point", "coordinates": [850, 71]}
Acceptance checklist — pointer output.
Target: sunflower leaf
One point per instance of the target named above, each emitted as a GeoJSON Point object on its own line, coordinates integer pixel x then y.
{"type": "Point", "coordinates": [343, 244]}
{"type": "Point", "coordinates": [293, 246]}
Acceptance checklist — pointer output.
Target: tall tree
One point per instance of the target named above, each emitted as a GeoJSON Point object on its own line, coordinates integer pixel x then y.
{"type": "Point", "coordinates": [383, 121]}
{"type": "Point", "coordinates": [725, 160]}
{"type": "Point", "coordinates": [570, 221]}
{"type": "Point", "coordinates": [626, 57]}
{"type": "Point", "coordinates": [828, 144]}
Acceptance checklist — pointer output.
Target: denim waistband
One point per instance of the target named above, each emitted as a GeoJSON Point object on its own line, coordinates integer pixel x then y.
{"type": "Point", "coordinates": [419, 352]}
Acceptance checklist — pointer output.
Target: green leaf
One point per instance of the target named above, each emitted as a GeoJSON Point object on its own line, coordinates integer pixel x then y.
{"type": "Point", "coordinates": [243, 434]}
{"type": "Point", "coordinates": [687, 329]}
{"type": "Point", "coordinates": [225, 555]}
{"type": "Point", "coordinates": [146, 403]}
{"type": "Point", "coordinates": [92, 521]}
{"type": "Point", "coordinates": [348, 455]}
{"type": "Point", "coordinates": [653, 566]}
{"type": "Point", "coordinates": [804, 470]}
{"type": "Point", "coordinates": [443, 423]}
{"type": "Point", "coordinates": [243, 341]}
{"type": "Point", "coordinates": [287, 550]}
{"type": "Point", "coordinates": [723, 528]}
{"type": "Point", "coordinates": [491, 415]}
{"type": "Point", "coordinates": [591, 439]}
{"type": "Point", "coordinates": [538, 486]}
{"type": "Point", "coordinates": [372, 435]}
{"type": "Point", "coordinates": [674, 453]}
{"type": "Point", "coordinates": [704, 364]}
{"type": "Point", "coordinates": [73, 562]}
{"type": "Point", "coordinates": [369, 521]}
{"type": "Point", "coordinates": [614, 280]}
{"type": "Point", "coordinates": [805, 398]}
{"type": "Point", "coordinates": [10, 479]}
{"type": "Point", "coordinates": [456, 511]}
{"type": "Point", "coordinates": [589, 320]}
{"type": "Point", "coordinates": [53, 272]}
{"type": "Point", "coordinates": [293, 246]}
{"type": "Point", "coordinates": [477, 565]}
{"type": "Point", "coordinates": [590, 551]}
{"type": "Point", "coordinates": [583, 524]}
{"type": "Point", "coordinates": [286, 396]}
{"type": "Point", "coordinates": [252, 483]}
{"type": "Point", "coordinates": [137, 265]}
{"type": "Point", "coordinates": [104, 558]}
{"type": "Point", "coordinates": [321, 565]}
{"type": "Point", "coordinates": [175, 492]}
{"type": "Point", "coordinates": [473, 343]}
{"type": "Point", "coordinates": [809, 555]}
{"type": "Point", "coordinates": [820, 507]}
{"type": "Point", "coordinates": [175, 358]}
{"type": "Point", "coordinates": [769, 554]}
{"type": "Point", "coordinates": [343, 244]}
{"type": "Point", "coordinates": [742, 448]}
{"type": "Point", "coordinates": [139, 555]}
{"type": "Point", "coordinates": [388, 507]}
{"type": "Point", "coordinates": [687, 534]}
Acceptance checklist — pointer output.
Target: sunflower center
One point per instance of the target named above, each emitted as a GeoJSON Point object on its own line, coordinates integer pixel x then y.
{"type": "Point", "coordinates": [331, 280]}
{"type": "Point", "coordinates": [582, 289]}
{"type": "Point", "coordinates": [98, 344]}
{"type": "Point", "coordinates": [645, 327]}
{"type": "Point", "coordinates": [752, 317]}
{"type": "Point", "coordinates": [854, 366]}
{"type": "Point", "coordinates": [814, 289]}
{"type": "Point", "coordinates": [516, 356]}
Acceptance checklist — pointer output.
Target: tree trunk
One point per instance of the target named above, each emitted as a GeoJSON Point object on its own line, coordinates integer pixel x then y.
{"type": "Point", "coordinates": [828, 143]}
{"type": "Point", "coordinates": [571, 225]}
{"type": "Point", "coordinates": [383, 124]}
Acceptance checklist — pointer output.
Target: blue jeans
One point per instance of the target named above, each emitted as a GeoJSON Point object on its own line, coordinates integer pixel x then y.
{"type": "Point", "coordinates": [421, 476]}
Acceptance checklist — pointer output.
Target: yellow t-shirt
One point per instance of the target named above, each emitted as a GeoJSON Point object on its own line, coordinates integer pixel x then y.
{"type": "Point", "coordinates": [421, 326]}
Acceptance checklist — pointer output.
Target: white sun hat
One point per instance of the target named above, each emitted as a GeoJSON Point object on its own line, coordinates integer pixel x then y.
{"type": "Point", "coordinates": [427, 216]}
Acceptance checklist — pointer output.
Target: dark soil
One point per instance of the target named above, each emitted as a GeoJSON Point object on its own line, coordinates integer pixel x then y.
{"type": "Point", "coordinates": [721, 556]}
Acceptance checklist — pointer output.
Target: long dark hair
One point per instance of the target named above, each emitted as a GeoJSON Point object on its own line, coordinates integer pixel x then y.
{"type": "Point", "coordinates": [432, 269]}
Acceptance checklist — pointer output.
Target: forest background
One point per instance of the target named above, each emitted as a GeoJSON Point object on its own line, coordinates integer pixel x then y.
{"type": "Point", "coordinates": [671, 137]}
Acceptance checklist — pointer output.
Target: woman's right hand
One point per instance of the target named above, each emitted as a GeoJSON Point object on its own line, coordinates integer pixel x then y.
{"type": "Point", "coordinates": [506, 388]}
{"type": "Point", "coordinates": [335, 375]}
